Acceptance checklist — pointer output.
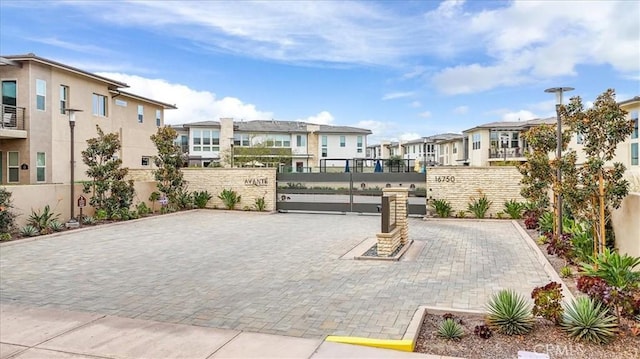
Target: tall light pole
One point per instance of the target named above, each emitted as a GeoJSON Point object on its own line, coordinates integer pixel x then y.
{"type": "Point", "coordinates": [424, 155]}
{"type": "Point", "coordinates": [72, 124]}
{"type": "Point", "coordinates": [559, 91]}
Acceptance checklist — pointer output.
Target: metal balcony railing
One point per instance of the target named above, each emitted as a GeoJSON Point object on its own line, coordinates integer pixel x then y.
{"type": "Point", "coordinates": [505, 152]}
{"type": "Point", "coordinates": [12, 117]}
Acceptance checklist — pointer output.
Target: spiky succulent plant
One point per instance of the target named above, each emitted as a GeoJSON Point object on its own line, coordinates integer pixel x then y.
{"type": "Point", "coordinates": [509, 313]}
{"type": "Point", "coordinates": [586, 319]}
{"type": "Point", "coordinates": [449, 329]}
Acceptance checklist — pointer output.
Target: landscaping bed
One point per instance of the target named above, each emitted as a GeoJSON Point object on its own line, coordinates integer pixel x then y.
{"type": "Point", "coordinates": [546, 337]}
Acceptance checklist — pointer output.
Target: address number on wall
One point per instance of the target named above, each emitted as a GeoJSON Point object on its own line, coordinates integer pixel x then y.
{"type": "Point", "coordinates": [450, 179]}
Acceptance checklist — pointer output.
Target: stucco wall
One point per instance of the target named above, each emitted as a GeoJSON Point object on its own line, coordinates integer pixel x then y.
{"type": "Point", "coordinates": [627, 226]}
{"type": "Point", "coordinates": [457, 184]}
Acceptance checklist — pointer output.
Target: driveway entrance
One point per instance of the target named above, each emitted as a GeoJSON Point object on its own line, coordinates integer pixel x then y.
{"type": "Point", "coordinates": [268, 273]}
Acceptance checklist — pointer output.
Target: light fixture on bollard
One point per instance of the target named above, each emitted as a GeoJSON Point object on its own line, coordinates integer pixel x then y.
{"type": "Point", "coordinates": [559, 91]}
{"type": "Point", "coordinates": [72, 124]}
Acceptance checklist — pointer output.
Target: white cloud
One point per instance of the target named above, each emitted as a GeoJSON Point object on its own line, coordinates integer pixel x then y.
{"type": "Point", "coordinates": [396, 95]}
{"type": "Point", "coordinates": [322, 118]}
{"type": "Point", "coordinates": [415, 104]}
{"type": "Point", "coordinates": [425, 114]}
{"type": "Point", "coordinates": [461, 110]}
{"type": "Point", "coordinates": [522, 115]}
{"type": "Point", "coordinates": [192, 105]}
{"type": "Point", "coordinates": [408, 136]}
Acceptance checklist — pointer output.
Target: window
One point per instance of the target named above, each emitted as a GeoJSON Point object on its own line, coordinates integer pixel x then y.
{"type": "Point", "coordinates": [634, 154]}
{"type": "Point", "coordinates": [579, 138]}
{"type": "Point", "coordinates": [634, 118]}
{"type": "Point", "coordinates": [145, 160]}
{"type": "Point", "coordinates": [41, 164]}
{"type": "Point", "coordinates": [514, 140]}
{"type": "Point", "coordinates": [455, 149]}
{"type": "Point", "coordinates": [343, 141]}
{"type": "Point", "coordinates": [301, 140]}
{"type": "Point", "coordinates": [13, 165]}
{"type": "Point", "coordinates": [359, 142]}
{"type": "Point", "coordinates": [158, 118]}
{"type": "Point", "coordinates": [99, 105]}
{"type": "Point", "coordinates": [206, 140]}
{"type": "Point", "coordinates": [41, 94]}
{"type": "Point", "coordinates": [64, 98]}
{"type": "Point", "coordinates": [476, 141]}
{"type": "Point", "coordinates": [9, 93]}
{"type": "Point", "coordinates": [140, 114]}
{"type": "Point", "coordinates": [324, 141]}
{"type": "Point", "coordinates": [241, 139]}
{"type": "Point", "coordinates": [324, 152]}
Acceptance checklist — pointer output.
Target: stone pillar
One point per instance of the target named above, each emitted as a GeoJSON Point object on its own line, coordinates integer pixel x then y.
{"type": "Point", "coordinates": [226, 140]}
{"type": "Point", "coordinates": [402, 195]}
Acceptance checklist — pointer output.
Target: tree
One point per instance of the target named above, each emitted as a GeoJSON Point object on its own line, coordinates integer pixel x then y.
{"type": "Point", "coordinates": [170, 179]}
{"type": "Point", "coordinates": [597, 186]}
{"type": "Point", "coordinates": [110, 191]}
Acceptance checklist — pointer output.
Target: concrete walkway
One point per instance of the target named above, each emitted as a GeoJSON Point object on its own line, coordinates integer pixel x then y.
{"type": "Point", "coordinates": [282, 274]}
{"type": "Point", "coordinates": [33, 333]}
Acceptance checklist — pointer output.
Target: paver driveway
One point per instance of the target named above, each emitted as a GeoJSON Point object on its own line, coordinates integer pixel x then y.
{"type": "Point", "coordinates": [279, 274]}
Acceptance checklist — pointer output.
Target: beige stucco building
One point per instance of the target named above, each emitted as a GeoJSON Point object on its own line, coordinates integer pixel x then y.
{"type": "Point", "coordinates": [35, 135]}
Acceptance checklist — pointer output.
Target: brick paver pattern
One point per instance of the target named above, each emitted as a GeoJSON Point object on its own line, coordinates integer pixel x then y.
{"type": "Point", "coordinates": [278, 274]}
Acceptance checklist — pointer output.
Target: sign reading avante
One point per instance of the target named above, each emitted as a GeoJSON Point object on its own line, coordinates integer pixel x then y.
{"type": "Point", "coordinates": [256, 182]}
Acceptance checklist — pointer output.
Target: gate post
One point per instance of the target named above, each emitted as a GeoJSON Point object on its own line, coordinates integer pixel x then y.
{"type": "Point", "coordinates": [402, 196]}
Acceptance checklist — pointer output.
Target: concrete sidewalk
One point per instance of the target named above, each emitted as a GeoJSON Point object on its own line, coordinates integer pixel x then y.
{"type": "Point", "coordinates": [28, 333]}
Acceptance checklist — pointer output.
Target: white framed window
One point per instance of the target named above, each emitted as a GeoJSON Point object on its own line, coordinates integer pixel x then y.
{"type": "Point", "coordinates": [41, 166]}
{"type": "Point", "coordinates": [140, 114]}
{"type": "Point", "coordinates": [64, 98]}
{"type": "Point", "coordinates": [343, 141]}
{"type": "Point", "coordinates": [476, 141]}
{"type": "Point", "coordinates": [13, 166]}
{"type": "Point", "coordinates": [301, 140]}
{"type": "Point", "coordinates": [359, 144]}
{"type": "Point", "coordinates": [99, 105]}
{"type": "Point", "coordinates": [241, 139]}
{"type": "Point", "coordinates": [206, 141]}
{"type": "Point", "coordinates": [324, 146]}
{"type": "Point", "coordinates": [634, 118]}
{"type": "Point", "coordinates": [579, 138]}
{"type": "Point", "coordinates": [634, 154]}
{"type": "Point", "coordinates": [158, 118]}
{"type": "Point", "coordinates": [41, 94]}
{"type": "Point", "coordinates": [146, 161]}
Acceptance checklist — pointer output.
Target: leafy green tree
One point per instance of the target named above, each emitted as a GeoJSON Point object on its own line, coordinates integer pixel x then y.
{"type": "Point", "coordinates": [537, 173]}
{"type": "Point", "coordinates": [110, 191]}
{"type": "Point", "coordinates": [170, 180]}
{"type": "Point", "coordinates": [602, 127]}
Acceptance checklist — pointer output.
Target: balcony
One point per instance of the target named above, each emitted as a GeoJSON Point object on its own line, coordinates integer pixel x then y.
{"type": "Point", "coordinates": [508, 153]}
{"type": "Point", "coordinates": [12, 117]}
{"type": "Point", "coordinates": [12, 122]}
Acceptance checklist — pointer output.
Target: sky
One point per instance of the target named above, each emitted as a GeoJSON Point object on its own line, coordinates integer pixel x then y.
{"type": "Point", "coordinates": [403, 69]}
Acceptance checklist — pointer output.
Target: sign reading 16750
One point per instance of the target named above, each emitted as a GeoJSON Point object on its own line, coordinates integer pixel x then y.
{"type": "Point", "coordinates": [449, 179]}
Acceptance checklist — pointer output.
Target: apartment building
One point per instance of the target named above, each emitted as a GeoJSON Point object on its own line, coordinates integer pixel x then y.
{"type": "Point", "coordinates": [290, 145]}
{"type": "Point", "coordinates": [38, 95]}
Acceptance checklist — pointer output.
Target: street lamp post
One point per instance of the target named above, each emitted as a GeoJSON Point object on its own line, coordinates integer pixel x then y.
{"type": "Point", "coordinates": [424, 156]}
{"type": "Point", "coordinates": [72, 124]}
{"type": "Point", "coordinates": [558, 91]}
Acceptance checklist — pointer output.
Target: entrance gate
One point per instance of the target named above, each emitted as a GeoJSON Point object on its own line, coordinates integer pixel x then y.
{"type": "Point", "coordinates": [346, 192]}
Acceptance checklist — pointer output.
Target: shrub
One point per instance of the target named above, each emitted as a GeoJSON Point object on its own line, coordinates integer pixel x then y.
{"type": "Point", "coordinates": [29, 231]}
{"type": "Point", "coordinates": [617, 270]}
{"type": "Point", "coordinates": [547, 302]}
{"type": "Point", "coordinates": [483, 331]}
{"type": "Point", "coordinates": [566, 272]}
{"type": "Point", "coordinates": [183, 199]}
{"type": "Point", "coordinates": [509, 313]}
{"type": "Point", "coordinates": [101, 215]}
{"type": "Point", "coordinates": [56, 226]}
{"type": "Point", "coordinates": [514, 209]}
{"type": "Point", "coordinates": [41, 220]}
{"type": "Point", "coordinates": [89, 220]}
{"type": "Point", "coordinates": [461, 214]}
{"type": "Point", "coordinates": [585, 319]}
{"type": "Point", "coordinates": [230, 198]}
{"type": "Point", "coordinates": [561, 246]}
{"type": "Point", "coordinates": [7, 218]}
{"type": "Point", "coordinates": [479, 206]}
{"type": "Point", "coordinates": [442, 207]}
{"type": "Point", "coordinates": [449, 329]}
{"type": "Point", "coordinates": [143, 209]}
{"type": "Point", "coordinates": [200, 199]}
{"type": "Point", "coordinates": [531, 221]}
{"type": "Point", "coordinates": [545, 222]}
{"type": "Point", "coordinates": [260, 204]}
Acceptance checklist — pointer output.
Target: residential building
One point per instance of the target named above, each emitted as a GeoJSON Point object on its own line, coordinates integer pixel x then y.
{"type": "Point", "coordinates": [291, 145]}
{"type": "Point", "coordinates": [35, 135]}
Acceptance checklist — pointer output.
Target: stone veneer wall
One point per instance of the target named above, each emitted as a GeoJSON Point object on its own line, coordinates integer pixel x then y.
{"type": "Point", "coordinates": [458, 184]}
{"type": "Point", "coordinates": [249, 183]}
{"type": "Point", "coordinates": [389, 242]}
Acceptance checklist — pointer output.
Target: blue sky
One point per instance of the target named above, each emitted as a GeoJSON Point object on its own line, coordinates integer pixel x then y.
{"type": "Point", "coordinates": [403, 69]}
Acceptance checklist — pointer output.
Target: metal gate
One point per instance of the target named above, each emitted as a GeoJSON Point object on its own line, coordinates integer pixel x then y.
{"type": "Point", "coordinates": [346, 192]}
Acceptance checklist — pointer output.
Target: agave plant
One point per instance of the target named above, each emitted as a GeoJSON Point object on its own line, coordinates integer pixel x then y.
{"type": "Point", "coordinates": [509, 313]}
{"type": "Point", "coordinates": [449, 329]}
{"type": "Point", "coordinates": [586, 319]}
{"type": "Point", "coordinates": [29, 231]}
{"type": "Point", "coordinates": [442, 207]}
